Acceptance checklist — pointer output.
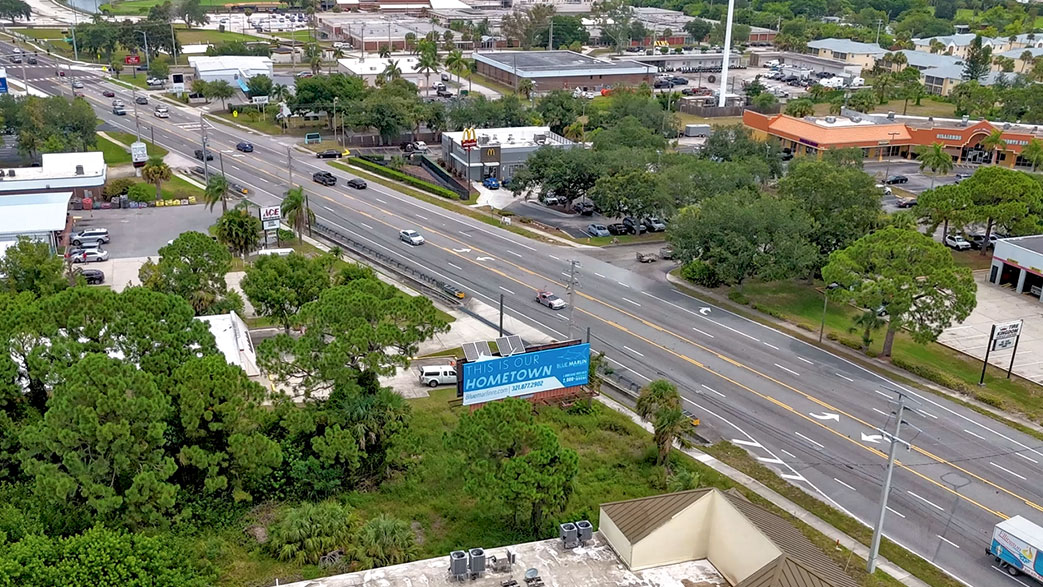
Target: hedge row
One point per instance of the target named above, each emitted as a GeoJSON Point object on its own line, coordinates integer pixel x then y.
{"type": "Point", "coordinates": [403, 177]}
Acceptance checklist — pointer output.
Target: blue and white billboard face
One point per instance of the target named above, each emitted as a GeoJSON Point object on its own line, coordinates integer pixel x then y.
{"type": "Point", "coordinates": [525, 374]}
{"type": "Point", "coordinates": [3, 80]}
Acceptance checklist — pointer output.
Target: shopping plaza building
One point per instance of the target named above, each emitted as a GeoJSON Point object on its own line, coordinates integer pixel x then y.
{"type": "Point", "coordinates": [880, 135]}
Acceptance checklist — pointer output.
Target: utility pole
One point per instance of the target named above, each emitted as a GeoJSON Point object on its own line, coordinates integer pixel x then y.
{"type": "Point", "coordinates": [550, 35]}
{"type": "Point", "coordinates": [206, 166]}
{"type": "Point", "coordinates": [289, 165]}
{"type": "Point", "coordinates": [173, 42]}
{"type": "Point", "coordinates": [570, 288]}
{"type": "Point", "coordinates": [879, 22]}
{"type": "Point", "coordinates": [723, 97]}
{"type": "Point", "coordinates": [878, 530]}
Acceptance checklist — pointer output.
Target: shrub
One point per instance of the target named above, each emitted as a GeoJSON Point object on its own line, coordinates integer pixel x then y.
{"type": "Point", "coordinates": [931, 374]}
{"type": "Point", "coordinates": [739, 298]}
{"type": "Point", "coordinates": [700, 273]}
{"type": "Point", "coordinates": [384, 541]}
{"type": "Point", "coordinates": [307, 532]}
{"type": "Point", "coordinates": [141, 192]}
{"type": "Point", "coordinates": [285, 235]}
{"type": "Point", "coordinates": [404, 178]}
{"type": "Point", "coordinates": [989, 399]}
{"type": "Point", "coordinates": [116, 187]}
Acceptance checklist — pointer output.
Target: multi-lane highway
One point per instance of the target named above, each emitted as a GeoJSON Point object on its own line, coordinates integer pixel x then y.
{"type": "Point", "coordinates": [808, 414]}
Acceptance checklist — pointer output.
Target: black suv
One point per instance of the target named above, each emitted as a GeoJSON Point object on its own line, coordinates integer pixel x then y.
{"type": "Point", "coordinates": [324, 177]}
{"type": "Point", "coordinates": [209, 155]}
{"type": "Point", "coordinates": [633, 226]}
{"type": "Point", "coordinates": [896, 179]}
{"type": "Point", "coordinates": [357, 183]}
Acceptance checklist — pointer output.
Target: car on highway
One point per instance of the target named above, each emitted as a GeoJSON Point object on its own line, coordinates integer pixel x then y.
{"type": "Point", "coordinates": [77, 85]}
{"type": "Point", "coordinates": [161, 112]}
{"type": "Point", "coordinates": [245, 147]}
{"type": "Point", "coordinates": [410, 236]}
{"type": "Point", "coordinates": [200, 154]}
{"type": "Point", "coordinates": [118, 102]}
{"type": "Point", "coordinates": [108, 93]}
{"type": "Point", "coordinates": [238, 188]}
{"type": "Point", "coordinates": [957, 242]}
{"type": "Point", "coordinates": [896, 179]}
{"type": "Point", "coordinates": [597, 230]}
{"type": "Point", "coordinates": [91, 276]}
{"type": "Point", "coordinates": [617, 228]}
{"type": "Point", "coordinates": [324, 177]}
{"type": "Point", "coordinates": [90, 235]}
{"type": "Point", "coordinates": [31, 60]}
{"type": "Point", "coordinates": [141, 100]}
{"type": "Point", "coordinates": [88, 255]}
{"type": "Point", "coordinates": [491, 183]}
{"type": "Point", "coordinates": [329, 154]}
{"type": "Point", "coordinates": [550, 300]}
{"type": "Point", "coordinates": [59, 72]}
{"type": "Point", "coordinates": [119, 110]}
{"type": "Point", "coordinates": [359, 184]}
{"type": "Point", "coordinates": [633, 226]}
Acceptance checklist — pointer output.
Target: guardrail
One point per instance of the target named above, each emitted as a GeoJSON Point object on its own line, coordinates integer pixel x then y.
{"type": "Point", "coordinates": [431, 284]}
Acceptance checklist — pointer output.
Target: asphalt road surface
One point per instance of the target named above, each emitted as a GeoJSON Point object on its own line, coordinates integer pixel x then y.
{"type": "Point", "coordinates": [808, 414]}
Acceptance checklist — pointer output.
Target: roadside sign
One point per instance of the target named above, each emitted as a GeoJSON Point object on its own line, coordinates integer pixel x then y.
{"type": "Point", "coordinates": [469, 140]}
{"type": "Point", "coordinates": [138, 153]}
{"type": "Point", "coordinates": [259, 99]}
{"type": "Point", "coordinates": [1005, 335]}
{"type": "Point", "coordinates": [132, 60]}
{"type": "Point", "coordinates": [270, 217]}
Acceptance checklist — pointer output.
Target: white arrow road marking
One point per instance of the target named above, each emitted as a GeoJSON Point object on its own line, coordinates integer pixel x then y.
{"type": "Point", "coordinates": [704, 311]}
{"type": "Point", "coordinates": [484, 258]}
{"type": "Point", "coordinates": [874, 438]}
{"type": "Point", "coordinates": [461, 250]}
{"type": "Point", "coordinates": [825, 416]}
{"type": "Point", "coordinates": [752, 443]}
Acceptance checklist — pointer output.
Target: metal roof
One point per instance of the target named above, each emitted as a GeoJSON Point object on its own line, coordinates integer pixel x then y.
{"type": "Point", "coordinates": [637, 518]}
{"type": "Point", "coordinates": [33, 213]}
{"type": "Point", "coordinates": [559, 63]}
{"type": "Point", "coordinates": [847, 46]}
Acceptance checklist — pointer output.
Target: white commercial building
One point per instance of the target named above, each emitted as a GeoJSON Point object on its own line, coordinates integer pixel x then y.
{"type": "Point", "coordinates": [38, 216]}
{"type": "Point", "coordinates": [1018, 263]}
{"type": "Point", "coordinates": [499, 152]}
{"type": "Point", "coordinates": [371, 68]}
{"type": "Point", "coordinates": [234, 69]}
{"type": "Point", "coordinates": [82, 174]}
{"type": "Point", "coordinates": [233, 340]}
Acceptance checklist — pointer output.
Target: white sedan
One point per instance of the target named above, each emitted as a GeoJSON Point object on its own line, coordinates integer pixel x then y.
{"type": "Point", "coordinates": [410, 236]}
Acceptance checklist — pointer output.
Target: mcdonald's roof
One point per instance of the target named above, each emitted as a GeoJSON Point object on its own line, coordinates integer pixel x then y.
{"type": "Point", "coordinates": [518, 136]}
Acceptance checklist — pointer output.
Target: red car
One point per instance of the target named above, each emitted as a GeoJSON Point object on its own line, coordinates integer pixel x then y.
{"type": "Point", "coordinates": [60, 73]}
{"type": "Point", "coordinates": [109, 94]}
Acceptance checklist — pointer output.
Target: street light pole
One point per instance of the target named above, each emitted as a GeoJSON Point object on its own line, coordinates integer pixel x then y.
{"type": "Point", "coordinates": [148, 61]}
{"type": "Point", "coordinates": [206, 167]}
{"type": "Point", "coordinates": [825, 304]}
{"type": "Point", "coordinates": [887, 169]}
{"type": "Point", "coordinates": [878, 530]}
{"type": "Point", "coordinates": [570, 289]}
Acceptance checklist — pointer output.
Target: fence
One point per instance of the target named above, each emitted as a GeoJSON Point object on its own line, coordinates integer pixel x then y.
{"type": "Point", "coordinates": [443, 177]}
{"type": "Point", "coordinates": [372, 140]}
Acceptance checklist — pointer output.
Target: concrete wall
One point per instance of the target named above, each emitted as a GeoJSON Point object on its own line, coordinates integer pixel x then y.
{"type": "Point", "coordinates": [682, 538]}
{"type": "Point", "coordinates": [615, 538]}
{"type": "Point", "coordinates": [736, 547]}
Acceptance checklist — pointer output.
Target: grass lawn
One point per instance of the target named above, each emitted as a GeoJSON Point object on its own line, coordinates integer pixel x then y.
{"type": "Point", "coordinates": [128, 138]}
{"type": "Point", "coordinates": [927, 107]}
{"type": "Point", "coordinates": [113, 154]}
{"type": "Point", "coordinates": [41, 33]}
{"type": "Point", "coordinates": [201, 36]}
{"type": "Point", "coordinates": [129, 80]}
{"type": "Point", "coordinates": [492, 84]}
{"type": "Point", "coordinates": [303, 35]}
{"type": "Point", "coordinates": [626, 239]}
{"type": "Point", "coordinates": [253, 119]}
{"type": "Point", "coordinates": [616, 462]}
{"type": "Point", "coordinates": [178, 188]}
{"type": "Point", "coordinates": [132, 7]}
{"type": "Point", "coordinates": [799, 303]}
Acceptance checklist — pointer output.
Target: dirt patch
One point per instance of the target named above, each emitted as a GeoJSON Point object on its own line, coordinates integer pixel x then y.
{"type": "Point", "coordinates": [418, 531]}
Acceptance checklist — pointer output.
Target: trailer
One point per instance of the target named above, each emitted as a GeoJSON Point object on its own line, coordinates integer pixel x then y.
{"type": "Point", "coordinates": [1016, 543]}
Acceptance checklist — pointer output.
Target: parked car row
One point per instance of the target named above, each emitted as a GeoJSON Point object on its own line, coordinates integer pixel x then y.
{"type": "Point", "coordinates": [86, 247]}
{"type": "Point", "coordinates": [628, 226]}
{"type": "Point", "coordinates": [975, 241]}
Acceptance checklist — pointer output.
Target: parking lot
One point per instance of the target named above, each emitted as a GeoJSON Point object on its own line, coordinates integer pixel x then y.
{"type": "Point", "coordinates": [919, 182]}
{"type": "Point", "coordinates": [141, 232]}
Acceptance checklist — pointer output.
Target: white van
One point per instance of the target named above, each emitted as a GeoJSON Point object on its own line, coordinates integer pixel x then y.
{"type": "Point", "coordinates": [434, 375]}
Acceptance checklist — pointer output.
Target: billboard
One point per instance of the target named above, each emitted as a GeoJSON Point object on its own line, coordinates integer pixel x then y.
{"type": "Point", "coordinates": [138, 153]}
{"type": "Point", "coordinates": [525, 374]}
{"type": "Point", "coordinates": [132, 60]}
{"type": "Point", "coordinates": [270, 216]}
{"type": "Point", "coordinates": [3, 80]}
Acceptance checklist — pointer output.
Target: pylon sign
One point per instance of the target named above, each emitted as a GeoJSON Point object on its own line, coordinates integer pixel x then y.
{"type": "Point", "coordinates": [469, 139]}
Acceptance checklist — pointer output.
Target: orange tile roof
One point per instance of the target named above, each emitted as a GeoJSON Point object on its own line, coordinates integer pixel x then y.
{"type": "Point", "coordinates": [865, 135]}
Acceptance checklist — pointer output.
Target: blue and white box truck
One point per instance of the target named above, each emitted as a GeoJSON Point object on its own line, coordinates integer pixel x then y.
{"type": "Point", "coordinates": [1016, 544]}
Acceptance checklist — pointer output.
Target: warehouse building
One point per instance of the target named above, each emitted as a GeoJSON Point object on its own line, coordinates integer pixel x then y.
{"type": "Point", "coordinates": [499, 152]}
{"type": "Point", "coordinates": [1018, 263]}
{"type": "Point", "coordinates": [555, 70]}
{"type": "Point", "coordinates": [234, 69]}
{"type": "Point", "coordinates": [371, 68]}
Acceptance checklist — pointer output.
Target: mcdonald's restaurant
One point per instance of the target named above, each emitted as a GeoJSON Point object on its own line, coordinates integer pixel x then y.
{"type": "Point", "coordinates": [495, 152]}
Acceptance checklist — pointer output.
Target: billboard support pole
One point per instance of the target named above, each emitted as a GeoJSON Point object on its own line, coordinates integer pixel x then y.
{"type": "Point", "coordinates": [573, 264]}
{"type": "Point", "coordinates": [985, 363]}
{"type": "Point", "coordinates": [1012, 354]}
{"type": "Point", "coordinates": [588, 335]}
{"type": "Point", "coordinates": [501, 315]}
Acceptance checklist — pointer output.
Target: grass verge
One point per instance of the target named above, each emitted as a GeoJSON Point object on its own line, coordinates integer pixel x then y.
{"type": "Point", "coordinates": [112, 153]}
{"type": "Point", "coordinates": [200, 36]}
{"type": "Point", "coordinates": [127, 138]}
{"type": "Point", "coordinates": [741, 460]}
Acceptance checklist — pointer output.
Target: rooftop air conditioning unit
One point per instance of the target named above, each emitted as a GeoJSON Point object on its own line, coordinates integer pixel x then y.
{"type": "Point", "coordinates": [586, 530]}
{"type": "Point", "coordinates": [569, 535]}
{"type": "Point", "coordinates": [477, 562]}
{"type": "Point", "coordinates": [458, 564]}
{"type": "Point", "coordinates": [963, 121]}
{"type": "Point", "coordinates": [539, 139]}
{"type": "Point", "coordinates": [483, 140]}
{"type": "Point", "coordinates": [79, 170]}
{"type": "Point", "coordinates": [856, 119]}
{"type": "Point", "coordinates": [890, 114]}
{"type": "Point", "coordinates": [10, 173]}
{"type": "Point", "coordinates": [831, 120]}
{"type": "Point", "coordinates": [510, 139]}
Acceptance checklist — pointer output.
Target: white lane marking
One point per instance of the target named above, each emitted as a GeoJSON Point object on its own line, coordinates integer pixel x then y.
{"type": "Point", "coordinates": [600, 275]}
{"type": "Point", "coordinates": [805, 360]}
{"type": "Point", "coordinates": [728, 327]}
{"type": "Point", "coordinates": [701, 332]}
{"type": "Point", "coordinates": [928, 414]}
{"type": "Point", "coordinates": [973, 434]}
{"type": "Point", "coordinates": [263, 179]}
{"type": "Point", "coordinates": [1030, 459]}
{"type": "Point", "coordinates": [560, 317]}
{"type": "Point", "coordinates": [454, 266]}
{"type": "Point", "coordinates": [507, 290]}
{"type": "Point", "coordinates": [844, 484]}
{"type": "Point", "coordinates": [330, 209]}
{"type": "Point", "coordinates": [788, 453]}
{"type": "Point", "coordinates": [878, 392]}
{"type": "Point", "coordinates": [363, 224]}
{"type": "Point", "coordinates": [623, 284]}
{"type": "Point", "coordinates": [421, 216]}
{"type": "Point", "coordinates": [947, 541]}
{"type": "Point", "coordinates": [900, 515]}
{"type": "Point", "coordinates": [792, 477]}
{"type": "Point", "coordinates": [925, 500]}
{"type": "Point", "coordinates": [555, 258]}
{"type": "Point", "coordinates": [1002, 572]}
{"type": "Point", "coordinates": [632, 302]}
{"type": "Point", "coordinates": [772, 460]}
{"type": "Point", "coordinates": [809, 440]}
{"type": "Point", "coordinates": [628, 369]}
{"type": "Point", "coordinates": [713, 390]}
{"type": "Point", "coordinates": [1006, 470]}
{"type": "Point", "coordinates": [633, 351]}
{"type": "Point", "coordinates": [381, 201]}
{"type": "Point", "coordinates": [881, 412]}
{"type": "Point", "coordinates": [515, 254]}
{"type": "Point", "coordinates": [752, 443]}
{"type": "Point", "coordinates": [785, 369]}
{"type": "Point", "coordinates": [771, 345]}
{"type": "Point", "coordinates": [845, 377]}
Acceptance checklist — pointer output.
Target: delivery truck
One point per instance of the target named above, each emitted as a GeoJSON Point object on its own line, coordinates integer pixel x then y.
{"type": "Point", "coordinates": [1016, 543]}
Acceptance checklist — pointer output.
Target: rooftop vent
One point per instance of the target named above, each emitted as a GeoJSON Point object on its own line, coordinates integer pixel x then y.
{"type": "Point", "coordinates": [539, 138]}
{"type": "Point", "coordinates": [510, 139]}
{"type": "Point", "coordinates": [856, 119]}
{"type": "Point", "coordinates": [1006, 126]}
{"type": "Point", "coordinates": [890, 114]}
{"type": "Point", "coordinates": [963, 121]}
{"type": "Point", "coordinates": [831, 120]}
{"type": "Point", "coordinates": [10, 173]}
{"type": "Point", "coordinates": [79, 170]}
{"type": "Point", "coordinates": [483, 139]}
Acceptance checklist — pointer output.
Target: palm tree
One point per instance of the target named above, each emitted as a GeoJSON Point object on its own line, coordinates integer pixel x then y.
{"type": "Point", "coordinates": [937, 46]}
{"type": "Point", "coordinates": [867, 321]}
{"type": "Point", "coordinates": [411, 43]}
{"type": "Point", "coordinates": [575, 132]}
{"type": "Point", "coordinates": [295, 209]}
{"type": "Point", "coordinates": [384, 541]}
{"type": "Point", "coordinates": [280, 92]}
{"type": "Point", "coordinates": [391, 71]}
{"type": "Point", "coordinates": [935, 158]}
{"type": "Point", "coordinates": [994, 142]}
{"type": "Point", "coordinates": [216, 187]}
{"type": "Point", "coordinates": [221, 90]}
{"type": "Point", "coordinates": [156, 172]}
{"type": "Point", "coordinates": [800, 108]}
{"type": "Point", "coordinates": [384, 52]}
{"type": "Point", "coordinates": [427, 64]}
{"type": "Point", "coordinates": [239, 231]}
{"type": "Point", "coordinates": [657, 396]}
{"type": "Point", "coordinates": [526, 87]}
{"type": "Point", "coordinates": [670, 424]}
{"type": "Point", "coordinates": [1026, 58]}
{"type": "Point", "coordinates": [454, 62]}
{"type": "Point", "coordinates": [898, 58]}
{"type": "Point", "coordinates": [1033, 153]}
